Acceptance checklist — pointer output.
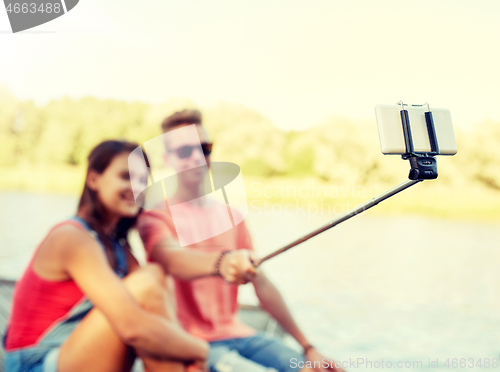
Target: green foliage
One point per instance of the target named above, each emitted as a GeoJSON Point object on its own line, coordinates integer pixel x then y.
{"type": "Point", "coordinates": [485, 155]}
{"type": "Point", "coordinates": [300, 155]}
{"type": "Point", "coordinates": [243, 136]}
{"type": "Point", "coordinates": [257, 167]}
{"type": "Point", "coordinates": [339, 151]}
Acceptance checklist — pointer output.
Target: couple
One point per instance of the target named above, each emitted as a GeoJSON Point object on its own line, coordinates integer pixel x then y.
{"type": "Point", "coordinates": [85, 304]}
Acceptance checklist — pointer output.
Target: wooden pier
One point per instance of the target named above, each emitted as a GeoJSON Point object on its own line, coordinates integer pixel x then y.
{"type": "Point", "coordinates": [6, 288]}
{"type": "Point", "coordinates": [254, 316]}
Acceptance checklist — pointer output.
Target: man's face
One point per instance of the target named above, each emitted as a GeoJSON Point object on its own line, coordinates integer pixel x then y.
{"type": "Point", "coordinates": [184, 154]}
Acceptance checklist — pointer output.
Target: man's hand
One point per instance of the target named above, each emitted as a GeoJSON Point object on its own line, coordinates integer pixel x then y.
{"type": "Point", "coordinates": [237, 267]}
{"type": "Point", "coordinates": [314, 355]}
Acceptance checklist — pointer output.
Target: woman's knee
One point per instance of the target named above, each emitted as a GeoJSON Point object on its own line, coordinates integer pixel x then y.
{"type": "Point", "coordinates": [151, 271]}
{"type": "Point", "coordinates": [147, 285]}
{"type": "Point", "coordinates": [156, 270]}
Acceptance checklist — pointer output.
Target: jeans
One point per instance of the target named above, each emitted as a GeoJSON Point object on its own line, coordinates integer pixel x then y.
{"type": "Point", "coordinates": [258, 353]}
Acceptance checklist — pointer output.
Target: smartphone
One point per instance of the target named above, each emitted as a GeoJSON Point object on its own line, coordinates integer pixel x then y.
{"type": "Point", "coordinates": [390, 129]}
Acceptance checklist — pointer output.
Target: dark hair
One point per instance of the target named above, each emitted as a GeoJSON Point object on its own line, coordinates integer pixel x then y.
{"type": "Point", "coordinates": [181, 118]}
{"type": "Point", "coordinates": [95, 213]}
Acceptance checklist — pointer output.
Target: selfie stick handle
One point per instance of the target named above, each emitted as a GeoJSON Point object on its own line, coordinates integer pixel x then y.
{"type": "Point", "coordinates": [354, 212]}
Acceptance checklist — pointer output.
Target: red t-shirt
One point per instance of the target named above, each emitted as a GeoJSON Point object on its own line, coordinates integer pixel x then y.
{"type": "Point", "coordinates": [207, 307]}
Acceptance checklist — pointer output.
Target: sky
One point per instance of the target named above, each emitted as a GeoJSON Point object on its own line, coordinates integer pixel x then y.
{"type": "Point", "coordinates": [296, 62]}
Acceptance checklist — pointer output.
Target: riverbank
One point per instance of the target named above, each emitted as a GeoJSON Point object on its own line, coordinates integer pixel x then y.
{"type": "Point", "coordinates": [306, 196]}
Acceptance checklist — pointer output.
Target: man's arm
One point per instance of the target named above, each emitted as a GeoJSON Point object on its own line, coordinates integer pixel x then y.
{"type": "Point", "coordinates": [187, 264]}
{"type": "Point", "coordinates": [272, 301]}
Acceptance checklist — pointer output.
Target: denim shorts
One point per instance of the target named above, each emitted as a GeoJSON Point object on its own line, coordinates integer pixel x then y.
{"type": "Point", "coordinates": [44, 355]}
{"type": "Point", "coordinates": [32, 360]}
{"type": "Point", "coordinates": [258, 353]}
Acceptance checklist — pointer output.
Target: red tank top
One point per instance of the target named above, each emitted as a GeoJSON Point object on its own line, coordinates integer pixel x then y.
{"type": "Point", "coordinates": [39, 304]}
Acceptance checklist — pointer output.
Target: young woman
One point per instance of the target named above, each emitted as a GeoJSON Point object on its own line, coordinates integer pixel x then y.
{"type": "Point", "coordinates": [84, 303]}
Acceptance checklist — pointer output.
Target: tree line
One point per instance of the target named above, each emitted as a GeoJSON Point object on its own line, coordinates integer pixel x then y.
{"type": "Point", "coordinates": [339, 150]}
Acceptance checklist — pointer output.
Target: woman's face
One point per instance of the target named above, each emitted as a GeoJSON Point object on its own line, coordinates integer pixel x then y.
{"type": "Point", "coordinates": [114, 186]}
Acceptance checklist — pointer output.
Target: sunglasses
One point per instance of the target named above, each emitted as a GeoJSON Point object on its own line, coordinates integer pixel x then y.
{"type": "Point", "coordinates": [185, 152]}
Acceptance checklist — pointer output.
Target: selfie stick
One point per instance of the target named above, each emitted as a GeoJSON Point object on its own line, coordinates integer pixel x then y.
{"type": "Point", "coordinates": [423, 167]}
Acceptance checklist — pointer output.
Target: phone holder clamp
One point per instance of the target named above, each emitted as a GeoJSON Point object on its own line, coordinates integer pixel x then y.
{"type": "Point", "coordinates": [423, 165]}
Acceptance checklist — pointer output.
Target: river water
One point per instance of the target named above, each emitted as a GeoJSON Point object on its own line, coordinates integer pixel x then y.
{"type": "Point", "coordinates": [390, 291]}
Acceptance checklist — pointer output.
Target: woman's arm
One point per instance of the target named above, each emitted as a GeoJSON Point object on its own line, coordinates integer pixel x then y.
{"type": "Point", "coordinates": [85, 262]}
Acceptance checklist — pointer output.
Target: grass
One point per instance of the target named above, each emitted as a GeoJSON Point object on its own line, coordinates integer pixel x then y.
{"type": "Point", "coordinates": [65, 180]}
{"type": "Point", "coordinates": [430, 198]}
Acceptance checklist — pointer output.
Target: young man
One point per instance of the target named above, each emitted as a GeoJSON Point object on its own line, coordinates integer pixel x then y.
{"type": "Point", "coordinates": [206, 305]}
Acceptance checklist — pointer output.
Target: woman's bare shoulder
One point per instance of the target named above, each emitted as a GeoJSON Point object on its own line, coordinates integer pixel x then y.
{"type": "Point", "coordinates": [66, 239]}
{"type": "Point", "coordinates": [69, 233]}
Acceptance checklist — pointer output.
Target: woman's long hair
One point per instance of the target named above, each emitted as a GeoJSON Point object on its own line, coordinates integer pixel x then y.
{"type": "Point", "coordinates": [94, 212]}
